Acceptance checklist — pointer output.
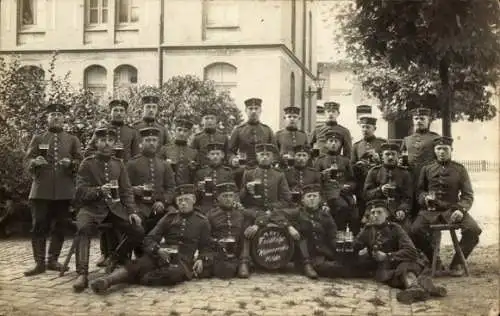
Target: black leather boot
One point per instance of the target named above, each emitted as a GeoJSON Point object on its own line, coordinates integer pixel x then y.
{"type": "Point", "coordinates": [100, 285]}
{"type": "Point", "coordinates": [243, 270]}
{"type": "Point", "coordinates": [56, 244]}
{"type": "Point", "coordinates": [39, 246]}
{"type": "Point", "coordinates": [82, 264]}
{"type": "Point", "coordinates": [308, 268]}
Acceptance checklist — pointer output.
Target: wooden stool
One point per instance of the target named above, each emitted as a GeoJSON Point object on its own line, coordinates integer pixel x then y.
{"type": "Point", "coordinates": [436, 230]}
{"type": "Point", "coordinates": [103, 227]}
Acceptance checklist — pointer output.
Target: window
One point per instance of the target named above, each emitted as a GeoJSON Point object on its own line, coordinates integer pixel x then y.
{"type": "Point", "coordinates": [31, 72]}
{"type": "Point", "coordinates": [221, 14]}
{"type": "Point", "coordinates": [124, 78]}
{"type": "Point", "coordinates": [127, 11]}
{"type": "Point", "coordinates": [224, 76]}
{"type": "Point", "coordinates": [27, 12]}
{"type": "Point", "coordinates": [97, 12]}
{"type": "Point", "coordinates": [292, 89]}
{"type": "Point", "coordinates": [95, 80]}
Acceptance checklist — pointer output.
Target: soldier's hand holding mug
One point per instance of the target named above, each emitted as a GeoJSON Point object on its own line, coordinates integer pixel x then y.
{"type": "Point", "coordinates": [158, 207]}
{"type": "Point", "coordinates": [251, 187]}
{"type": "Point", "coordinates": [65, 162]}
{"type": "Point", "coordinates": [250, 231]}
{"type": "Point", "coordinates": [40, 161]}
{"type": "Point", "coordinates": [138, 190]}
{"type": "Point", "coordinates": [379, 255]}
{"type": "Point", "coordinates": [400, 215]}
{"type": "Point", "coordinates": [293, 232]}
{"type": "Point", "coordinates": [135, 219]}
{"type": "Point", "coordinates": [363, 252]}
{"type": "Point", "coordinates": [386, 189]}
{"type": "Point", "coordinates": [164, 255]}
{"type": "Point", "coordinates": [235, 161]}
{"type": "Point", "coordinates": [106, 189]}
{"type": "Point", "coordinates": [456, 216]}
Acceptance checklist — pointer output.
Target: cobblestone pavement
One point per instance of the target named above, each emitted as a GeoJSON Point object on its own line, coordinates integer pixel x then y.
{"type": "Point", "coordinates": [264, 294]}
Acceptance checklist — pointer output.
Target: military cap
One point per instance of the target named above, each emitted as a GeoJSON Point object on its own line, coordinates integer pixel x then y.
{"type": "Point", "coordinates": [215, 146]}
{"type": "Point", "coordinates": [368, 120]}
{"type": "Point", "coordinates": [148, 99]}
{"type": "Point", "coordinates": [443, 140]}
{"type": "Point", "coordinates": [363, 110]}
{"type": "Point", "coordinates": [333, 134]}
{"type": "Point", "coordinates": [226, 187]}
{"type": "Point", "coordinates": [55, 107]}
{"type": "Point", "coordinates": [104, 131]}
{"type": "Point", "coordinates": [115, 103]}
{"type": "Point", "coordinates": [390, 146]}
{"type": "Point", "coordinates": [376, 203]}
{"type": "Point", "coordinates": [185, 189]}
{"type": "Point", "coordinates": [292, 110]}
{"type": "Point", "coordinates": [182, 122]}
{"type": "Point", "coordinates": [209, 111]}
{"type": "Point", "coordinates": [149, 131]}
{"type": "Point", "coordinates": [421, 112]}
{"type": "Point", "coordinates": [253, 102]}
{"type": "Point", "coordinates": [265, 147]}
{"type": "Point", "coordinates": [302, 148]}
{"type": "Point", "coordinates": [330, 106]}
{"type": "Point", "coordinates": [315, 187]}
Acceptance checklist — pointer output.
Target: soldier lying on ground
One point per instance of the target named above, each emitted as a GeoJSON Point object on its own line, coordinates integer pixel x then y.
{"type": "Point", "coordinates": [184, 230]}
{"type": "Point", "coordinates": [226, 223]}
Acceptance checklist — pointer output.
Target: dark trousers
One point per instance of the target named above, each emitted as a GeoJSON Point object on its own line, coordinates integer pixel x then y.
{"type": "Point", "coordinates": [48, 217]}
{"type": "Point", "coordinates": [148, 271]}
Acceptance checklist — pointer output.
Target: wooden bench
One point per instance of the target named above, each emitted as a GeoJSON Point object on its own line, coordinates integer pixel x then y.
{"type": "Point", "coordinates": [436, 230]}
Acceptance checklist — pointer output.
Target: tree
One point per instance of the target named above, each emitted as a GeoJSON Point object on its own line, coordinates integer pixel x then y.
{"type": "Point", "coordinates": [442, 54]}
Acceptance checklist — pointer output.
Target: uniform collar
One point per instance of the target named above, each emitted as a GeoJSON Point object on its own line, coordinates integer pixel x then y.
{"type": "Point", "coordinates": [253, 122]}
{"type": "Point", "coordinates": [103, 157]}
{"type": "Point", "coordinates": [117, 124]}
{"type": "Point", "coordinates": [55, 130]}
{"type": "Point", "coordinates": [148, 120]}
{"type": "Point", "coordinates": [181, 142]}
{"type": "Point", "coordinates": [369, 138]}
{"type": "Point", "coordinates": [291, 128]}
{"type": "Point", "coordinates": [210, 130]}
{"type": "Point", "coordinates": [265, 167]}
{"type": "Point", "coordinates": [331, 123]}
{"type": "Point", "coordinates": [444, 163]}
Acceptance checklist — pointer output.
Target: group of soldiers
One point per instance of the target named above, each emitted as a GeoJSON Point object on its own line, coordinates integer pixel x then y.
{"type": "Point", "coordinates": [190, 206]}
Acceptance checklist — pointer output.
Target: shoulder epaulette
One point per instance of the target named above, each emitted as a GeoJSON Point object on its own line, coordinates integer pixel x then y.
{"type": "Point", "coordinates": [322, 155]}
{"type": "Point", "coordinates": [310, 168]}
{"type": "Point", "coordinates": [199, 214]}
{"type": "Point", "coordinates": [88, 158]}
{"type": "Point", "coordinates": [136, 123]}
{"type": "Point", "coordinates": [227, 168]}
{"type": "Point", "coordinates": [115, 158]}
{"type": "Point", "coordinates": [242, 124]}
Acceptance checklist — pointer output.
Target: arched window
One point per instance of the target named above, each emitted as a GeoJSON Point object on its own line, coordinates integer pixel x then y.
{"type": "Point", "coordinates": [223, 74]}
{"type": "Point", "coordinates": [292, 89]}
{"type": "Point", "coordinates": [95, 80]}
{"type": "Point", "coordinates": [30, 72]}
{"type": "Point", "coordinates": [124, 77]}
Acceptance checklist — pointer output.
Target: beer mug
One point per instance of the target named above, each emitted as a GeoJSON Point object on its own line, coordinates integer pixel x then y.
{"type": "Point", "coordinates": [334, 170]}
{"type": "Point", "coordinates": [431, 202]}
{"type": "Point", "coordinates": [391, 190]}
{"type": "Point", "coordinates": [118, 150]}
{"type": "Point", "coordinates": [242, 158]}
{"type": "Point", "coordinates": [258, 188]}
{"type": "Point", "coordinates": [44, 150]}
{"type": "Point", "coordinates": [404, 159]}
{"type": "Point", "coordinates": [289, 159]}
{"type": "Point", "coordinates": [115, 194]}
{"type": "Point", "coordinates": [339, 242]}
{"type": "Point", "coordinates": [208, 185]}
{"type": "Point", "coordinates": [172, 164]}
{"type": "Point", "coordinates": [148, 192]}
{"type": "Point", "coordinates": [349, 241]}
{"type": "Point", "coordinates": [296, 196]}
{"type": "Point", "coordinates": [173, 252]}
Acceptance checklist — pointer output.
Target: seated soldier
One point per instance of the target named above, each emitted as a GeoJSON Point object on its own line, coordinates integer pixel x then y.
{"type": "Point", "coordinates": [300, 175]}
{"type": "Point", "coordinates": [445, 193]}
{"type": "Point", "coordinates": [338, 183]}
{"type": "Point", "coordinates": [226, 223]}
{"type": "Point", "coordinates": [393, 183]}
{"type": "Point", "coordinates": [103, 189]}
{"type": "Point", "coordinates": [185, 230]}
{"type": "Point", "coordinates": [209, 176]}
{"type": "Point", "coordinates": [265, 194]}
{"type": "Point", "coordinates": [386, 250]}
{"type": "Point", "coordinates": [152, 180]}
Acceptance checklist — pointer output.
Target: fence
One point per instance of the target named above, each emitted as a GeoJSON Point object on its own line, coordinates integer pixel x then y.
{"type": "Point", "coordinates": [480, 165]}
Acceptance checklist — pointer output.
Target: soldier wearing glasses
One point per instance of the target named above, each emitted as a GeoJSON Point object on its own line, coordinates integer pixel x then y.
{"type": "Point", "coordinates": [52, 159]}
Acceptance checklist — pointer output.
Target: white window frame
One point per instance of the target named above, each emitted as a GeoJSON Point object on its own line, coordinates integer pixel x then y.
{"type": "Point", "coordinates": [230, 19]}
{"type": "Point", "coordinates": [222, 85]}
{"type": "Point", "coordinates": [133, 4]}
{"type": "Point", "coordinates": [38, 16]}
{"type": "Point", "coordinates": [102, 86]}
{"type": "Point", "coordinates": [119, 85]}
{"type": "Point", "coordinates": [100, 8]}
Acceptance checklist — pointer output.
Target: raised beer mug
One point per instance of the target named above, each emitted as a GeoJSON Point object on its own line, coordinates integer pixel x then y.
{"type": "Point", "coordinates": [115, 194]}
{"type": "Point", "coordinates": [44, 149]}
{"type": "Point", "coordinates": [148, 192]}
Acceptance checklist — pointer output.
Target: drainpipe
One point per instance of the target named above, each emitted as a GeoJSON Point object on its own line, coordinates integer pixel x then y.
{"type": "Point", "coordinates": [304, 51]}
{"type": "Point", "coordinates": [160, 42]}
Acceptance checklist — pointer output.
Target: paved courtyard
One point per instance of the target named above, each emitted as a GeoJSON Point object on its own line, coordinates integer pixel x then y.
{"type": "Point", "coordinates": [262, 294]}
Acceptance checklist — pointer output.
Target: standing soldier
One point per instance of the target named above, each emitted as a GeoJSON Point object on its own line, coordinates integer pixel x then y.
{"type": "Point", "coordinates": [332, 110]}
{"type": "Point", "coordinates": [126, 146]}
{"type": "Point", "coordinates": [445, 194]}
{"type": "Point", "coordinates": [184, 231]}
{"type": "Point", "coordinates": [152, 180]}
{"type": "Point", "coordinates": [52, 159]}
{"type": "Point", "coordinates": [210, 176]}
{"type": "Point", "coordinates": [149, 116]}
{"type": "Point", "coordinates": [290, 136]}
{"type": "Point", "coordinates": [182, 158]}
{"type": "Point", "coordinates": [338, 182]}
{"type": "Point", "coordinates": [393, 183]}
{"type": "Point", "coordinates": [301, 174]}
{"type": "Point", "coordinates": [246, 136]}
{"type": "Point", "coordinates": [227, 225]}
{"type": "Point", "coordinates": [104, 190]}
{"type": "Point", "coordinates": [210, 134]}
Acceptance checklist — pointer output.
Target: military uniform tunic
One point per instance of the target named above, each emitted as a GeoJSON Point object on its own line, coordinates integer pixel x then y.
{"type": "Point", "coordinates": [344, 174]}
{"type": "Point", "coordinates": [127, 136]}
{"type": "Point", "coordinates": [143, 170]}
{"type": "Point", "coordinates": [201, 141]}
{"type": "Point", "coordinates": [218, 174]}
{"type": "Point", "coordinates": [245, 136]}
{"type": "Point", "coordinates": [318, 136]}
{"type": "Point", "coordinates": [298, 177]}
{"type": "Point", "coordinates": [183, 160]}
{"type": "Point", "coordinates": [287, 139]}
{"type": "Point", "coordinates": [362, 146]}
{"type": "Point", "coordinates": [420, 148]}
{"type": "Point", "coordinates": [163, 131]}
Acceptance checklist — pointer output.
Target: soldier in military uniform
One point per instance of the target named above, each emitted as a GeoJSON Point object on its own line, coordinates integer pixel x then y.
{"type": "Point", "coordinates": [227, 226]}
{"type": "Point", "coordinates": [52, 158]}
{"type": "Point", "coordinates": [184, 230]}
{"type": "Point", "coordinates": [246, 136]}
{"type": "Point", "coordinates": [445, 195]}
{"type": "Point", "coordinates": [152, 180]}
{"type": "Point", "coordinates": [208, 177]}
{"type": "Point", "coordinates": [332, 110]}
{"type": "Point", "coordinates": [208, 135]}
{"type": "Point", "coordinates": [386, 250]}
{"type": "Point", "coordinates": [300, 174]}
{"type": "Point", "coordinates": [104, 202]}
{"type": "Point", "coordinates": [126, 146]}
{"type": "Point", "coordinates": [149, 118]}
{"type": "Point", "coordinates": [290, 136]}
{"type": "Point", "coordinates": [181, 157]}
{"type": "Point", "coordinates": [266, 195]}
{"type": "Point", "coordinates": [338, 184]}
{"type": "Point", "coordinates": [393, 183]}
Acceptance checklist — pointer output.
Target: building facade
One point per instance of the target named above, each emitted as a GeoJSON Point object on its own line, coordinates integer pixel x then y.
{"type": "Point", "coordinates": [252, 48]}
